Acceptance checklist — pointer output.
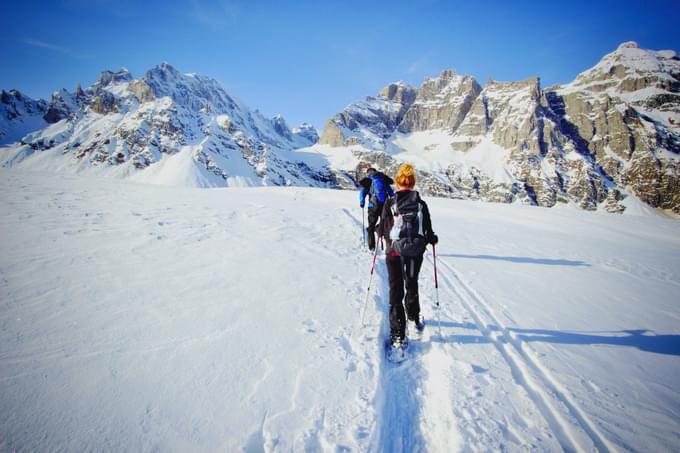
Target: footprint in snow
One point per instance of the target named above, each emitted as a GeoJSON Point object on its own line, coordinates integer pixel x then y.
{"type": "Point", "coordinates": [309, 326]}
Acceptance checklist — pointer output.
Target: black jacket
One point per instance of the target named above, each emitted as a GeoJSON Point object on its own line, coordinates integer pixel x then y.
{"type": "Point", "coordinates": [387, 220]}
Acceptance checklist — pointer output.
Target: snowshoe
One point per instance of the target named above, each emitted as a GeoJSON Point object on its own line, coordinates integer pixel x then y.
{"type": "Point", "coordinates": [396, 350]}
{"type": "Point", "coordinates": [416, 327]}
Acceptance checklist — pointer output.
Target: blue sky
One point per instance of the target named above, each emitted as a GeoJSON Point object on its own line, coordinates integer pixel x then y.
{"type": "Point", "coordinates": [308, 59]}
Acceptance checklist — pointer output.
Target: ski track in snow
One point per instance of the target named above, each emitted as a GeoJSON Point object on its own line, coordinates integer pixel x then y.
{"type": "Point", "coordinates": [475, 386]}
{"type": "Point", "coordinates": [412, 399]}
{"type": "Point", "coordinates": [416, 410]}
{"type": "Point", "coordinates": [566, 419]}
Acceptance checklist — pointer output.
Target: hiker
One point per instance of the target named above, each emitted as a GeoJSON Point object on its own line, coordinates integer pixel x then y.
{"type": "Point", "coordinates": [376, 185]}
{"type": "Point", "coordinates": [407, 229]}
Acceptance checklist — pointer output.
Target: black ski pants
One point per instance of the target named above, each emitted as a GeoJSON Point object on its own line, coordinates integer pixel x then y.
{"type": "Point", "coordinates": [373, 217]}
{"type": "Point", "coordinates": [403, 272]}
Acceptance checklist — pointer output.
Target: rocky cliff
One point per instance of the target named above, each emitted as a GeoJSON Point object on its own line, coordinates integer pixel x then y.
{"type": "Point", "coordinates": [371, 121]}
{"type": "Point", "coordinates": [611, 135]}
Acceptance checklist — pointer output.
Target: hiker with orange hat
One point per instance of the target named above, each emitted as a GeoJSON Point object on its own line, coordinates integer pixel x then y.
{"type": "Point", "coordinates": [406, 227]}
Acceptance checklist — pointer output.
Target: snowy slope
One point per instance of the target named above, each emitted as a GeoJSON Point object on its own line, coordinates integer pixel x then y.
{"type": "Point", "coordinates": [19, 115]}
{"type": "Point", "coordinates": [146, 318]}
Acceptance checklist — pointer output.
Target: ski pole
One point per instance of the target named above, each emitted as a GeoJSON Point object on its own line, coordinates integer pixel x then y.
{"type": "Point", "coordinates": [436, 289]}
{"type": "Point", "coordinates": [363, 226]}
{"type": "Point", "coordinates": [368, 291]}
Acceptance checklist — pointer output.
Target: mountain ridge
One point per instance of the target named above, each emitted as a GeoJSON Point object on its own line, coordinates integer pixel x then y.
{"type": "Point", "coordinates": [611, 134]}
{"type": "Point", "coordinates": [124, 126]}
{"type": "Point", "coordinates": [600, 142]}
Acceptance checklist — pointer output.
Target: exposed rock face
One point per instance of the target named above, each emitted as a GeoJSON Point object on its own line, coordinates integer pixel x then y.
{"type": "Point", "coordinates": [372, 120]}
{"type": "Point", "coordinates": [441, 103]}
{"type": "Point", "coordinates": [104, 103]}
{"type": "Point", "coordinates": [506, 111]}
{"type": "Point", "coordinates": [141, 90]}
{"type": "Point", "coordinates": [624, 112]}
{"type": "Point", "coordinates": [332, 134]}
{"type": "Point", "coordinates": [63, 105]}
{"type": "Point", "coordinates": [612, 133]}
{"type": "Point", "coordinates": [109, 77]}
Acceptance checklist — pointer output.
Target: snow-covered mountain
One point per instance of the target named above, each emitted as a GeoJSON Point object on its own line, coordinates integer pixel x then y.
{"type": "Point", "coordinates": [609, 140]}
{"type": "Point", "coordinates": [165, 127]}
{"type": "Point", "coordinates": [19, 115]}
{"type": "Point", "coordinates": [604, 141]}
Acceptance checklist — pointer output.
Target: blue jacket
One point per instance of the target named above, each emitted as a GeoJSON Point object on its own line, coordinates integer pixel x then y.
{"type": "Point", "coordinates": [379, 186]}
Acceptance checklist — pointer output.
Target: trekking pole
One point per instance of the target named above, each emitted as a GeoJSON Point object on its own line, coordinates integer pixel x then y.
{"type": "Point", "coordinates": [368, 291]}
{"type": "Point", "coordinates": [363, 226]}
{"type": "Point", "coordinates": [436, 289]}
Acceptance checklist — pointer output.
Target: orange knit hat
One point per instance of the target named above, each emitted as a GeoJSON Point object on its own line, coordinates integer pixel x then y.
{"type": "Point", "coordinates": [406, 176]}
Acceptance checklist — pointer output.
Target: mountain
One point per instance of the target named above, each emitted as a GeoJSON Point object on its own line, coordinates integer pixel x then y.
{"type": "Point", "coordinates": [19, 115]}
{"type": "Point", "coordinates": [165, 127]}
{"type": "Point", "coordinates": [609, 140]}
{"type": "Point", "coordinates": [604, 141]}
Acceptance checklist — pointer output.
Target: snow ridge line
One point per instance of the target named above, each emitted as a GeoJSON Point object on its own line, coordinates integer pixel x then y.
{"type": "Point", "coordinates": [522, 363]}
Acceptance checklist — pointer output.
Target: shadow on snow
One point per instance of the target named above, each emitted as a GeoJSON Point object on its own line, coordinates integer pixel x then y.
{"type": "Point", "coordinates": [520, 259]}
{"type": "Point", "coordinates": [642, 339]}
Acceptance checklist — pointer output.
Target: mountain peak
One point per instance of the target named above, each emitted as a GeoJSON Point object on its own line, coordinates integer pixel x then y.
{"type": "Point", "coordinates": [106, 77]}
{"type": "Point", "coordinates": [444, 77]}
{"type": "Point", "coordinates": [628, 45]}
{"type": "Point", "coordinates": [280, 126]}
{"type": "Point", "coordinates": [165, 66]}
{"type": "Point", "coordinates": [630, 68]}
{"type": "Point", "coordinates": [400, 92]}
{"type": "Point", "coordinates": [163, 71]}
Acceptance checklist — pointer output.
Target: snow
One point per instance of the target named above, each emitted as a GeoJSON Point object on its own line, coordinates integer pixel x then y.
{"type": "Point", "coordinates": [337, 157]}
{"type": "Point", "coordinates": [181, 170]}
{"type": "Point", "coordinates": [141, 317]}
{"type": "Point", "coordinates": [636, 62]}
{"type": "Point", "coordinates": [431, 151]}
{"type": "Point", "coordinates": [640, 60]}
{"type": "Point", "coordinates": [639, 96]}
{"type": "Point", "coordinates": [22, 126]}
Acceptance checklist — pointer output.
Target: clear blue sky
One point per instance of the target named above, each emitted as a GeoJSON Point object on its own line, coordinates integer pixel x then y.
{"type": "Point", "coordinates": [308, 59]}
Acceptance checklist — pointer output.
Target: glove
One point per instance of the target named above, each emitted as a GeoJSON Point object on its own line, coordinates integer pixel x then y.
{"type": "Point", "coordinates": [433, 239]}
{"type": "Point", "coordinates": [361, 205]}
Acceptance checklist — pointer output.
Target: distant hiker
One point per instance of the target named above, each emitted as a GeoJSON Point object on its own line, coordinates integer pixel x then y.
{"type": "Point", "coordinates": [407, 229]}
{"type": "Point", "coordinates": [376, 185]}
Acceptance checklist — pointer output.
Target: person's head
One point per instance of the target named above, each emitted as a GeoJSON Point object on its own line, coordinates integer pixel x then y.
{"type": "Point", "coordinates": [406, 177]}
{"type": "Point", "coordinates": [370, 171]}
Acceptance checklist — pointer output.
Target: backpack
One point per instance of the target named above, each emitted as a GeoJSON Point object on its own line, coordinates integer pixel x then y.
{"type": "Point", "coordinates": [380, 187]}
{"type": "Point", "coordinates": [407, 234]}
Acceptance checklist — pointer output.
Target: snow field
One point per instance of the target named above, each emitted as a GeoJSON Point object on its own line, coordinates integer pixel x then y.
{"type": "Point", "coordinates": [140, 317]}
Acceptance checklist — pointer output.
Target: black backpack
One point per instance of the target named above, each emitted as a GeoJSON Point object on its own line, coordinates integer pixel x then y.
{"type": "Point", "coordinates": [407, 234]}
